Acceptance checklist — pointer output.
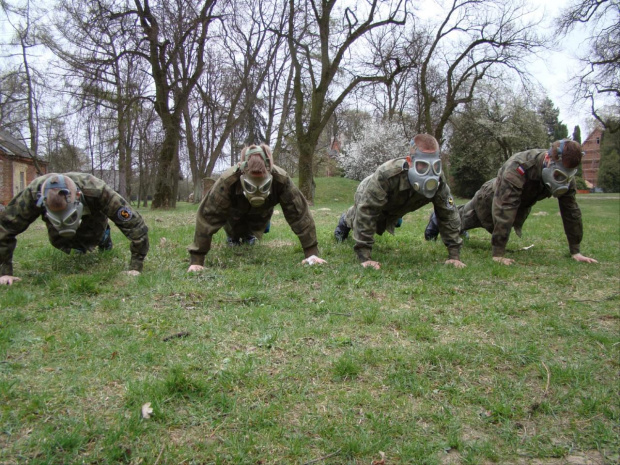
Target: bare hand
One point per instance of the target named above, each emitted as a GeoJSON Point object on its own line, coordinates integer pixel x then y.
{"type": "Point", "coordinates": [132, 273]}
{"type": "Point", "coordinates": [582, 258]}
{"type": "Point", "coordinates": [313, 260]}
{"type": "Point", "coordinates": [372, 264]}
{"type": "Point", "coordinates": [8, 280]}
{"type": "Point", "coordinates": [503, 260]}
{"type": "Point", "coordinates": [193, 268]}
{"type": "Point", "coordinates": [456, 263]}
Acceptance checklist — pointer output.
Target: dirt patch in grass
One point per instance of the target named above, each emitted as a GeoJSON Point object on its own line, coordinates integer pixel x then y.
{"type": "Point", "coordinates": [277, 243]}
{"type": "Point", "coordinates": [584, 458]}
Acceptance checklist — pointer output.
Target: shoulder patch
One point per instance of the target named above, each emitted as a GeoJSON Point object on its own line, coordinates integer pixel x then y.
{"type": "Point", "coordinates": [124, 214]}
{"type": "Point", "coordinates": [521, 170]}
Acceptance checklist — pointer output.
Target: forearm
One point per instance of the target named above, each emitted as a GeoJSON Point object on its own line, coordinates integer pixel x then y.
{"type": "Point", "coordinates": [139, 248]}
{"type": "Point", "coordinates": [6, 268]}
{"type": "Point", "coordinates": [573, 224]}
{"type": "Point", "coordinates": [363, 252]}
{"type": "Point", "coordinates": [7, 246]}
{"type": "Point", "coordinates": [312, 250]}
{"type": "Point", "coordinates": [504, 221]}
{"type": "Point", "coordinates": [454, 252]}
{"type": "Point", "coordinates": [199, 249]}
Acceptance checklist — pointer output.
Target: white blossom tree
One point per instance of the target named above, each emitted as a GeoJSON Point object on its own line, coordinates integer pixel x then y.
{"type": "Point", "coordinates": [375, 143]}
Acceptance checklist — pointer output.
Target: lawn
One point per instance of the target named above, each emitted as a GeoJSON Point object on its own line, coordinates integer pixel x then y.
{"type": "Point", "coordinates": [260, 360]}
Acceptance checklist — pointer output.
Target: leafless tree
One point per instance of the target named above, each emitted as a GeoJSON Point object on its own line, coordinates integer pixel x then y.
{"type": "Point", "coordinates": [105, 80]}
{"type": "Point", "coordinates": [475, 39]}
{"type": "Point", "coordinates": [599, 78]}
{"type": "Point", "coordinates": [321, 37]}
{"type": "Point", "coordinates": [231, 92]}
{"type": "Point", "coordinates": [171, 32]}
{"type": "Point", "coordinates": [23, 26]}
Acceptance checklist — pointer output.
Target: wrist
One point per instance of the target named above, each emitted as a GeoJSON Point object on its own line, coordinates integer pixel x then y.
{"type": "Point", "coordinates": [197, 259]}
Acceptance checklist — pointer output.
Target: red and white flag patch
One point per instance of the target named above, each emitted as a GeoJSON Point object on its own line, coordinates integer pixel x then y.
{"type": "Point", "coordinates": [520, 170]}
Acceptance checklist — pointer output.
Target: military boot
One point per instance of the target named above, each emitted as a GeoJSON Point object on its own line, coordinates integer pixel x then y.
{"type": "Point", "coordinates": [432, 228]}
{"type": "Point", "coordinates": [342, 230]}
{"type": "Point", "coordinates": [232, 242]}
{"type": "Point", "coordinates": [106, 240]}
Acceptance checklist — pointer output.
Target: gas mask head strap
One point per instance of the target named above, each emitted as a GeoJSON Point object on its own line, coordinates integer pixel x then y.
{"type": "Point", "coordinates": [252, 151]}
{"type": "Point", "coordinates": [60, 184]}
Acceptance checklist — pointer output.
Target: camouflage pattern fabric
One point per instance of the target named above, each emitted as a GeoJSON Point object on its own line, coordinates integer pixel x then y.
{"type": "Point", "coordinates": [101, 203]}
{"type": "Point", "coordinates": [504, 203]}
{"type": "Point", "coordinates": [225, 206]}
{"type": "Point", "coordinates": [385, 196]}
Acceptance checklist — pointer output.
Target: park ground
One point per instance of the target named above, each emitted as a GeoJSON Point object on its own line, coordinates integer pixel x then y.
{"type": "Point", "coordinates": [261, 360]}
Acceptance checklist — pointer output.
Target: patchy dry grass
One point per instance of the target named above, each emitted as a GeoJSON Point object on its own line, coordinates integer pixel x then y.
{"type": "Point", "coordinates": [262, 360]}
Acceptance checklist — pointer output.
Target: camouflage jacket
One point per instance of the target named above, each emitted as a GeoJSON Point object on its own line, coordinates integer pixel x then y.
{"type": "Point", "coordinates": [518, 187]}
{"type": "Point", "coordinates": [385, 196]}
{"type": "Point", "coordinates": [225, 205]}
{"type": "Point", "coordinates": [100, 203]}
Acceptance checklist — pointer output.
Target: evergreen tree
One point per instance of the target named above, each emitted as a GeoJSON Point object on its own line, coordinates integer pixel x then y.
{"type": "Point", "coordinates": [609, 169]}
{"type": "Point", "coordinates": [556, 130]}
{"type": "Point", "coordinates": [577, 134]}
{"type": "Point", "coordinates": [488, 132]}
{"type": "Point", "coordinates": [560, 131]}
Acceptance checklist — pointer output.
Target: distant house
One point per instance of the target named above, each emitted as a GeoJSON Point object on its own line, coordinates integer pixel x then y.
{"type": "Point", "coordinates": [16, 167]}
{"type": "Point", "coordinates": [592, 159]}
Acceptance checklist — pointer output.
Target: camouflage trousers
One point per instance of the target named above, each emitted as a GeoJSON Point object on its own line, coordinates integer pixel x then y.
{"type": "Point", "coordinates": [248, 225]}
{"type": "Point", "coordinates": [478, 212]}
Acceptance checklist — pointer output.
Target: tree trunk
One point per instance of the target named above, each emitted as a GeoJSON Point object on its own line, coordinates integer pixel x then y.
{"type": "Point", "coordinates": [167, 179]}
{"type": "Point", "coordinates": [306, 171]}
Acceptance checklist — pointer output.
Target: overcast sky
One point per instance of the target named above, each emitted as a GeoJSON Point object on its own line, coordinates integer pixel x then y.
{"type": "Point", "coordinates": [553, 70]}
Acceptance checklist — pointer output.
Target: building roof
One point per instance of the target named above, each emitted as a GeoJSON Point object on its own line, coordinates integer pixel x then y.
{"type": "Point", "coordinates": [11, 146]}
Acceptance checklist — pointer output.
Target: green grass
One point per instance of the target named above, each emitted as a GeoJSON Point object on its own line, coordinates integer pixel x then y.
{"type": "Point", "coordinates": [283, 363]}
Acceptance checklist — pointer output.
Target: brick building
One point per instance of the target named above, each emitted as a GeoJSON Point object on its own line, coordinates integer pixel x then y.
{"type": "Point", "coordinates": [591, 161]}
{"type": "Point", "coordinates": [16, 167]}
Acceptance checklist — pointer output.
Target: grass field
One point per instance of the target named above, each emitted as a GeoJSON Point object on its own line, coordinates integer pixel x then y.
{"type": "Point", "coordinates": [260, 360]}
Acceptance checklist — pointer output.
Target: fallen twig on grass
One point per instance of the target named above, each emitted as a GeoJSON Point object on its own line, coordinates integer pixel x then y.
{"type": "Point", "coordinates": [610, 297]}
{"type": "Point", "coordinates": [175, 336]}
{"type": "Point", "coordinates": [159, 456]}
{"type": "Point", "coordinates": [325, 457]}
{"type": "Point", "coordinates": [548, 380]}
{"type": "Point", "coordinates": [243, 301]}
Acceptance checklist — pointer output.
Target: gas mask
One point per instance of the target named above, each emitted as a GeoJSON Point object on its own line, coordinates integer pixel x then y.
{"type": "Point", "coordinates": [424, 172]}
{"type": "Point", "coordinates": [66, 221]}
{"type": "Point", "coordinates": [255, 189]}
{"type": "Point", "coordinates": [556, 176]}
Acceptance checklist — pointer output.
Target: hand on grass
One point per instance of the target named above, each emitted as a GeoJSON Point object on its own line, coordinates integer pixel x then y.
{"type": "Point", "coordinates": [193, 268]}
{"type": "Point", "coordinates": [313, 260]}
{"type": "Point", "coordinates": [8, 280]}
{"type": "Point", "coordinates": [132, 273]}
{"type": "Point", "coordinates": [371, 263]}
{"type": "Point", "coordinates": [583, 258]}
{"type": "Point", "coordinates": [456, 263]}
{"type": "Point", "coordinates": [504, 260]}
